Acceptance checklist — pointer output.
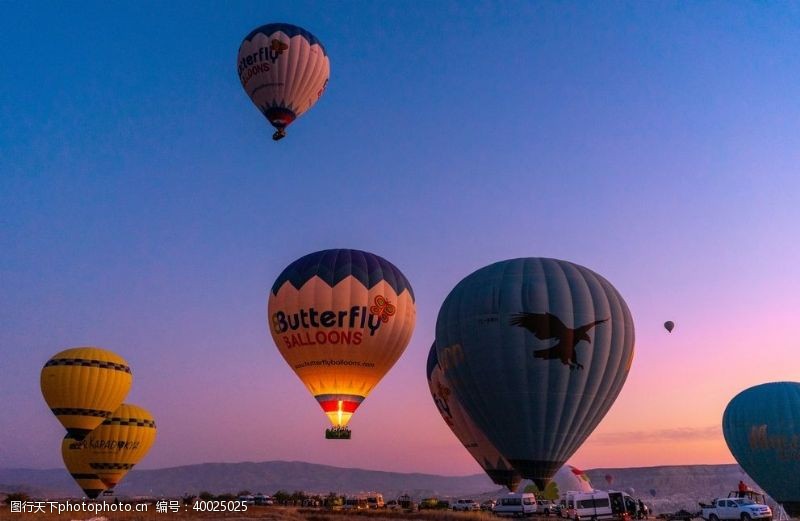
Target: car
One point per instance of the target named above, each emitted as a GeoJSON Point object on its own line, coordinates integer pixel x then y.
{"type": "Point", "coordinates": [429, 503]}
{"type": "Point", "coordinates": [392, 504]}
{"type": "Point", "coordinates": [488, 505]}
{"type": "Point", "coordinates": [263, 500]}
{"type": "Point", "coordinates": [406, 503]}
{"type": "Point", "coordinates": [514, 504]}
{"type": "Point", "coordinates": [465, 505]}
{"type": "Point", "coordinates": [739, 508]}
{"type": "Point", "coordinates": [545, 507]}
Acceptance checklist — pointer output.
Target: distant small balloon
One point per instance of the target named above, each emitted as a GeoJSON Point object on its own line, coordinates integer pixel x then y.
{"type": "Point", "coordinates": [653, 492]}
{"type": "Point", "coordinates": [669, 325]}
{"type": "Point", "coordinates": [609, 479]}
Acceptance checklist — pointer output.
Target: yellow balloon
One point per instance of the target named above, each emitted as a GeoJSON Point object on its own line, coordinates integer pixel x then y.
{"type": "Point", "coordinates": [83, 385]}
{"type": "Point", "coordinates": [341, 319]}
{"type": "Point", "coordinates": [120, 442]}
{"type": "Point", "coordinates": [74, 456]}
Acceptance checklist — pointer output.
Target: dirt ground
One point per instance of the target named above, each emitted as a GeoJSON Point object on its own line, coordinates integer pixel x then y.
{"type": "Point", "coordinates": [253, 512]}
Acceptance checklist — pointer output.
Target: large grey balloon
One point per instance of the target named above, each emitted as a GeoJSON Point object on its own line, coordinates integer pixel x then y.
{"type": "Point", "coordinates": [536, 351]}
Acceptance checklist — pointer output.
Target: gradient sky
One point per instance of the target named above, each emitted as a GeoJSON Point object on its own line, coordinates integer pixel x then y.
{"type": "Point", "coordinates": [145, 209]}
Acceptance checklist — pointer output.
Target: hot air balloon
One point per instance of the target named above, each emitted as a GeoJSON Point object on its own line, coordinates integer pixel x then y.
{"type": "Point", "coordinates": [341, 319]}
{"type": "Point", "coordinates": [762, 428]}
{"type": "Point", "coordinates": [609, 479]}
{"type": "Point", "coordinates": [669, 325]}
{"type": "Point", "coordinates": [488, 457]}
{"type": "Point", "coordinates": [84, 385]}
{"type": "Point", "coordinates": [653, 492]}
{"type": "Point", "coordinates": [537, 350]}
{"type": "Point", "coordinates": [284, 69]}
{"type": "Point", "coordinates": [119, 443]}
{"type": "Point", "coordinates": [631, 491]}
{"type": "Point", "coordinates": [79, 468]}
{"type": "Point", "coordinates": [567, 479]}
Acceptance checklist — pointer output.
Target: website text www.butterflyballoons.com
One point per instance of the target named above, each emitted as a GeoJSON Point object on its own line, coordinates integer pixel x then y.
{"type": "Point", "coordinates": [312, 363]}
{"type": "Point", "coordinates": [100, 507]}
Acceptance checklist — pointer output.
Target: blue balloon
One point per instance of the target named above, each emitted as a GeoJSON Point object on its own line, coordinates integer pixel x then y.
{"type": "Point", "coordinates": [536, 350]}
{"type": "Point", "coordinates": [762, 429]}
{"type": "Point", "coordinates": [454, 415]}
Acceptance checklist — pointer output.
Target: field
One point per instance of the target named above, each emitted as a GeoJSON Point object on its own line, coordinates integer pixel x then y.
{"type": "Point", "coordinates": [262, 513]}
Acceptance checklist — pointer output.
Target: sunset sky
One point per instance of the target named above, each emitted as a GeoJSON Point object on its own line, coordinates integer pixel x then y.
{"type": "Point", "coordinates": [145, 209]}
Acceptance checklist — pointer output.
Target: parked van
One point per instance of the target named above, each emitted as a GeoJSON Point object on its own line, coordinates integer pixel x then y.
{"type": "Point", "coordinates": [596, 505]}
{"type": "Point", "coordinates": [514, 504]}
{"type": "Point", "coordinates": [375, 501]}
{"type": "Point", "coordinates": [355, 503]}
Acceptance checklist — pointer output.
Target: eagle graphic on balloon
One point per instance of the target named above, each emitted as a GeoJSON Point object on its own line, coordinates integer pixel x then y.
{"type": "Point", "coordinates": [547, 326]}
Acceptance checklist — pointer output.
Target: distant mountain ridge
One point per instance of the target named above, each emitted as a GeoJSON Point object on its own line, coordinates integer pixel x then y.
{"type": "Point", "coordinates": [266, 477]}
{"type": "Point", "coordinates": [676, 486]}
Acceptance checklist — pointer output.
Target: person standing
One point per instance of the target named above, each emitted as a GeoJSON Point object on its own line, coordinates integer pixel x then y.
{"type": "Point", "coordinates": [742, 488]}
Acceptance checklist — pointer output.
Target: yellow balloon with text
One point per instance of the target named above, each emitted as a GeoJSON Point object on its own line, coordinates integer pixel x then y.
{"type": "Point", "coordinates": [77, 464]}
{"type": "Point", "coordinates": [83, 385]}
{"type": "Point", "coordinates": [120, 442]}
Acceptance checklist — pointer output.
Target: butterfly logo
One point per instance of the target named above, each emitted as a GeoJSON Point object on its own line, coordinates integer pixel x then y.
{"type": "Point", "coordinates": [383, 308]}
{"type": "Point", "coordinates": [277, 46]}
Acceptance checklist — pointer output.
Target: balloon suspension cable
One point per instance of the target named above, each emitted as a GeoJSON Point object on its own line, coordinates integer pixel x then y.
{"type": "Point", "coordinates": [337, 433]}
{"type": "Point", "coordinates": [279, 134]}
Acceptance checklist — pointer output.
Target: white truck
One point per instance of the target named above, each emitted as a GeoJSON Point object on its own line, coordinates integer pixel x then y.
{"type": "Point", "coordinates": [736, 508]}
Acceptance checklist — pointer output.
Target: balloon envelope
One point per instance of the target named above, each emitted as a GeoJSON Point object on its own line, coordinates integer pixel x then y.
{"type": "Point", "coordinates": [120, 442]}
{"type": "Point", "coordinates": [669, 325]}
{"type": "Point", "coordinates": [762, 428]}
{"type": "Point", "coordinates": [566, 479]}
{"type": "Point", "coordinates": [341, 319]}
{"type": "Point", "coordinates": [488, 457]}
{"type": "Point", "coordinates": [82, 386]}
{"type": "Point", "coordinates": [77, 464]}
{"type": "Point", "coordinates": [284, 69]}
{"type": "Point", "coordinates": [537, 350]}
